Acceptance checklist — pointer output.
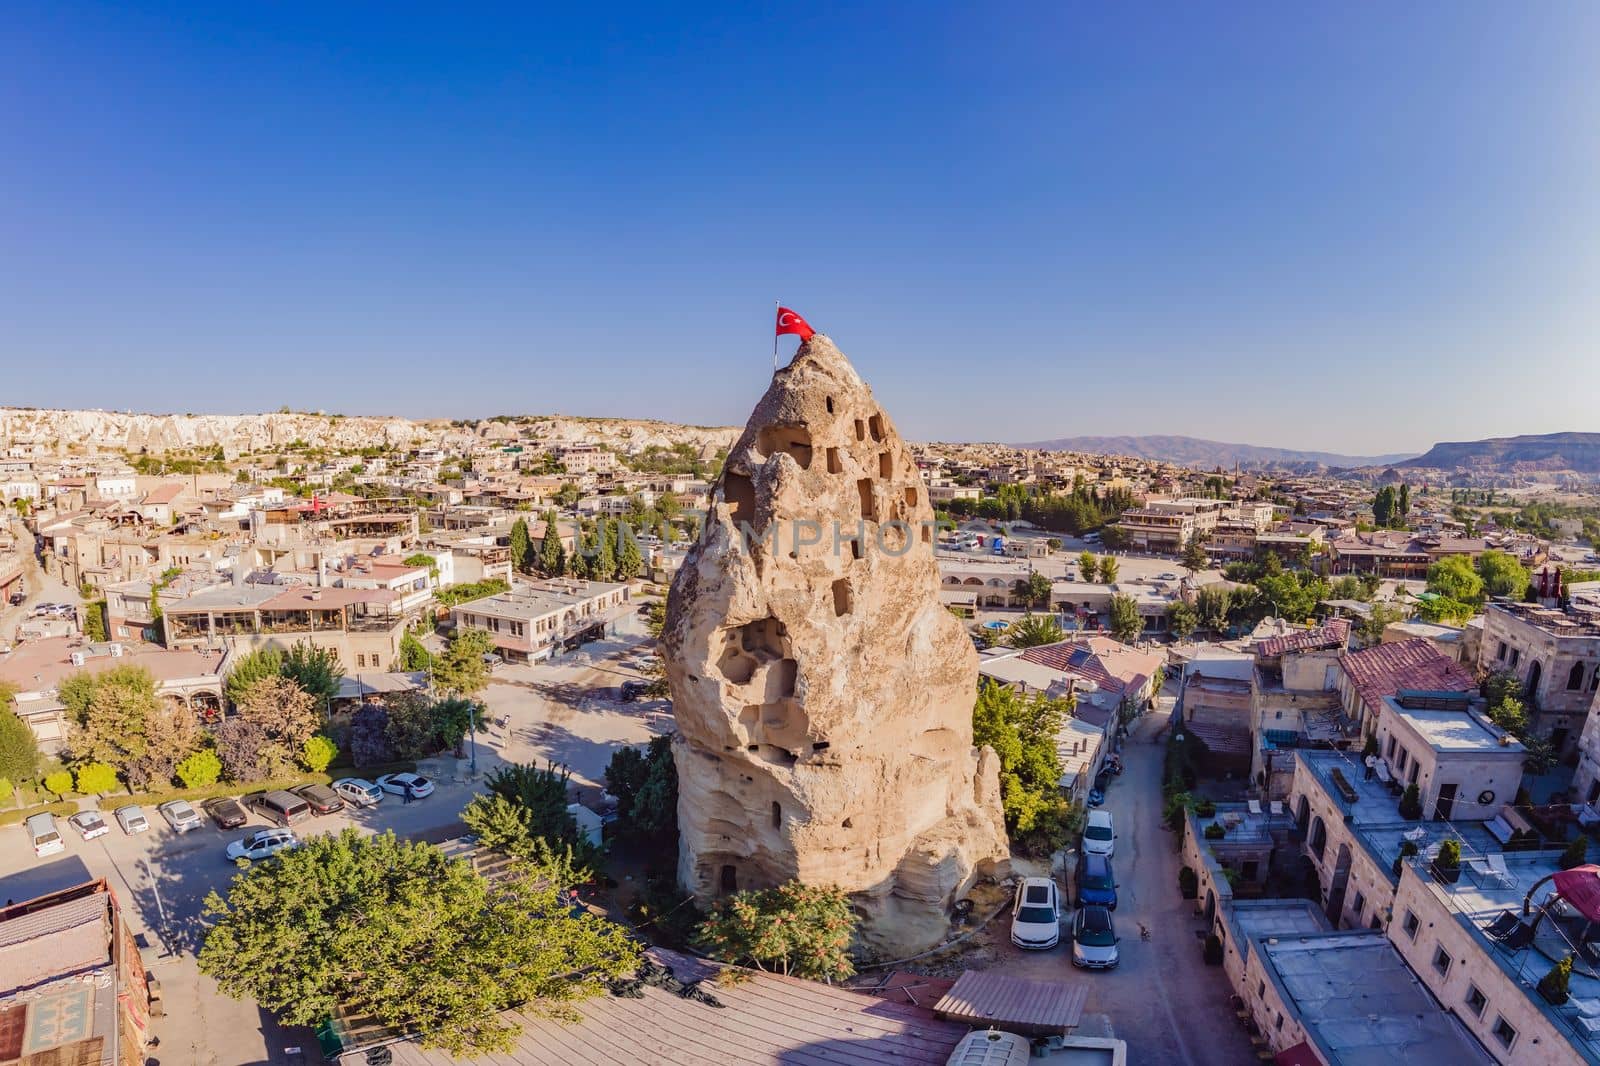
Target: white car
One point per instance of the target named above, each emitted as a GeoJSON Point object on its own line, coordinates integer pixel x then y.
{"type": "Point", "coordinates": [1099, 838]}
{"type": "Point", "coordinates": [402, 783]}
{"type": "Point", "coordinates": [1036, 915]}
{"type": "Point", "coordinates": [1094, 939]}
{"type": "Point", "coordinates": [180, 815]}
{"type": "Point", "coordinates": [132, 819]}
{"type": "Point", "coordinates": [262, 844]}
{"type": "Point", "coordinates": [89, 824]}
{"type": "Point", "coordinates": [358, 792]}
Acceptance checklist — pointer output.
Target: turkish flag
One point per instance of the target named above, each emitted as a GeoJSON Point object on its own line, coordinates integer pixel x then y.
{"type": "Point", "coordinates": [789, 322]}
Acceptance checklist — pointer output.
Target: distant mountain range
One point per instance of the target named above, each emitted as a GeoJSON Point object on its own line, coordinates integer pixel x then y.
{"type": "Point", "coordinates": [1579, 452]}
{"type": "Point", "coordinates": [1209, 454]}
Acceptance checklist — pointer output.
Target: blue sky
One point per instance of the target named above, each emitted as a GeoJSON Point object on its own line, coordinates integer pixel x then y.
{"type": "Point", "coordinates": [1358, 228]}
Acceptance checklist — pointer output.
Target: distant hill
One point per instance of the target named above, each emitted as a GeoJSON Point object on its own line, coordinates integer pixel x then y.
{"type": "Point", "coordinates": [1579, 452]}
{"type": "Point", "coordinates": [1209, 454]}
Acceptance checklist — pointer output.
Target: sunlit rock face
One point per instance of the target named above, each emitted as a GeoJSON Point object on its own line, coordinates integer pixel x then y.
{"type": "Point", "coordinates": [823, 694]}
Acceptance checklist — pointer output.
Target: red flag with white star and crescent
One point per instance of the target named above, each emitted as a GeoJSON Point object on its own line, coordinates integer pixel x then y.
{"type": "Point", "coordinates": [789, 322]}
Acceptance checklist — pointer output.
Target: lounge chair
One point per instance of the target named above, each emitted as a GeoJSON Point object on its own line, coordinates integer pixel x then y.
{"type": "Point", "coordinates": [1276, 807]}
{"type": "Point", "coordinates": [1255, 806]}
{"type": "Point", "coordinates": [1497, 869]}
{"type": "Point", "coordinates": [1502, 925]}
{"type": "Point", "coordinates": [1591, 1026]}
{"type": "Point", "coordinates": [1585, 1008]}
{"type": "Point", "coordinates": [1518, 938]}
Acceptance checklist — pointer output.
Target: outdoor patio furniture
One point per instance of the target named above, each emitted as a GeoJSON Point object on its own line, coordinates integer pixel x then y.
{"type": "Point", "coordinates": [1255, 806]}
{"type": "Point", "coordinates": [1590, 1026]}
{"type": "Point", "coordinates": [1518, 938]}
{"type": "Point", "coordinates": [1502, 925]}
{"type": "Point", "coordinates": [1497, 870]}
{"type": "Point", "coordinates": [1276, 807]}
{"type": "Point", "coordinates": [1585, 1008]}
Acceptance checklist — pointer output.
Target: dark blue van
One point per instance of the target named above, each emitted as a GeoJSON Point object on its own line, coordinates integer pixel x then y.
{"type": "Point", "coordinates": [1097, 886]}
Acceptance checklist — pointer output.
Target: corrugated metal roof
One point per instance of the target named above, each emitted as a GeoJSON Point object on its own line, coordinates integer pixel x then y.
{"type": "Point", "coordinates": [1037, 1008]}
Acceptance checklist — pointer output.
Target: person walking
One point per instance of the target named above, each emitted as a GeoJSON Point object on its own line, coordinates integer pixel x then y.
{"type": "Point", "coordinates": [405, 794]}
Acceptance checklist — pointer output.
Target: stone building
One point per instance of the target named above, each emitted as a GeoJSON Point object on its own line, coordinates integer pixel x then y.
{"type": "Point", "coordinates": [1556, 654]}
{"type": "Point", "coordinates": [823, 694]}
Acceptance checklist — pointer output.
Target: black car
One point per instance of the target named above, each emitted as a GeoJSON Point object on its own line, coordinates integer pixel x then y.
{"type": "Point", "coordinates": [18, 597]}
{"type": "Point", "coordinates": [323, 799]}
{"type": "Point", "coordinates": [225, 812]}
{"type": "Point", "coordinates": [632, 690]}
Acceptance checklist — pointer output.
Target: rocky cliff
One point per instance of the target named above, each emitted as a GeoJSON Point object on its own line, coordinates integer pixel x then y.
{"type": "Point", "coordinates": [823, 695]}
{"type": "Point", "coordinates": [83, 431]}
{"type": "Point", "coordinates": [1578, 452]}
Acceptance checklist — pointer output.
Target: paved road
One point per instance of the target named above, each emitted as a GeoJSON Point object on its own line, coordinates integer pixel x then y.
{"type": "Point", "coordinates": [1162, 999]}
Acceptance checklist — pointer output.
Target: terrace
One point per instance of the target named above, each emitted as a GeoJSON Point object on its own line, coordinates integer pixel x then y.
{"type": "Point", "coordinates": [1485, 894]}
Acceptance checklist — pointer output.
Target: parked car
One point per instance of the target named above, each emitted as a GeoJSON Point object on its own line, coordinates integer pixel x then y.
{"type": "Point", "coordinates": [16, 598]}
{"type": "Point", "coordinates": [632, 690]}
{"type": "Point", "coordinates": [991, 1047]}
{"type": "Point", "coordinates": [323, 799]}
{"type": "Point", "coordinates": [132, 820]}
{"type": "Point", "coordinates": [1097, 796]}
{"type": "Point", "coordinates": [1094, 939]}
{"type": "Point", "coordinates": [180, 815]}
{"type": "Point", "coordinates": [226, 812]}
{"type": "Point", "coordinates": [279, 807]}
{"type": "Point", "coordinates": [402, 783]}
{"type": "Point", "coordinates": [1097, 886]}
{"type": "Point", "coordinates": [262, 844]}
{"type": "Point", "coordinates": [1036, 914]}
{"type": "Point", "coordinates": [89, 824]}
{"type": "Point", "coordinates": [358, 792]}
{"type": "Point", "coordinates": [43, 836]}
{"type": "Point", "coordinates": [1099, 838]}
{"type": "Point", "coordinates": [491, 660]}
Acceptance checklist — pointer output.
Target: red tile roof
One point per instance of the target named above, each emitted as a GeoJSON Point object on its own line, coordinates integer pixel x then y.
{"type": "Point", "coordinates": [1112, 666]}
{"type": "Point", "coordinates": [1334, 633]}
{"type": "Point", "coordinates": [1406, 664]}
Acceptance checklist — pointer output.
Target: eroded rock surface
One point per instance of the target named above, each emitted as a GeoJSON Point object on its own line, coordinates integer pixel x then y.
{"type": "Point", "coordinates": [823, 694]}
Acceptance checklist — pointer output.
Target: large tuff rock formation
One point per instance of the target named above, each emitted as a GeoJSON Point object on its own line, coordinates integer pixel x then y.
{"type": "Point", "coordinates": [823, 695]}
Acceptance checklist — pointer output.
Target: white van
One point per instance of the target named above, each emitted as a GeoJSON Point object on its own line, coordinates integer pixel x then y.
{"type": "Point", "coordinates": [43, 836]}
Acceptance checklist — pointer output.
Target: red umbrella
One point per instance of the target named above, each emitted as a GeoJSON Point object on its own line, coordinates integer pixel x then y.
{"type": "Point", "coordinates": [1580, 886]}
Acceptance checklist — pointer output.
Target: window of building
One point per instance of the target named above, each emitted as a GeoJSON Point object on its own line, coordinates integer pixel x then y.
{"type": "Point", "coordinates": [1475, 1001]}
{"type": "Point", "coordinates": [1500, 653]}
{"type": "Point", "coordinates": [1279, 1023]}
{"type": "Point", "coordinates": [1515, 655]}
{"type": "Point", "coordinates": [1575, 677]}
{"type": "Point", "coordinates": [1360, 905]}
{"type": "Point", "coordinates": [1441, 961]}
{"type": "Point", "coordinates": [1261, 990]}
{"type": "Point", "coordinates": [1411, 925]}
{"type": "Point", "coordinates": [1504, 1032]}
{"type": "Point", "coordinates": [1389, 751]}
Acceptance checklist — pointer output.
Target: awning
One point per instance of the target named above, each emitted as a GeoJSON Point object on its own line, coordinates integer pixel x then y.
{"type": "Point", "coordinates": [1580, 886]}
{"type": "Point", "coordinates": [1033, 1008]}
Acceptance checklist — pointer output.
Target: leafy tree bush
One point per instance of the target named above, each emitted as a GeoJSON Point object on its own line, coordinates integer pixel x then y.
{"type": "Point", "coordinates": [1576, 854]}
{"type": "Point", "coordinates": [1188, 882]}
{"type": "Point", "coordinates": [552, 555]}
{"type": "Point", "coordinates": [1022, 730]}
{"type": "Point", "coordinates": [1454, 579]}
{"type": "Point", "coordinates": [201, 769]}
{"type": "Point", "coordinates": [1195, 557]}
{"type": "Point", "coordinates": [1213, 605]}
{"type": "Point", "coordinates": [630, 563]}
{"type": "Point", "coordinates": [369, 736]}
{"type": "Point", "coordinates": [19, 751]}
{"type": "Point", "coordinates": [316, 670]}
{"type": "Point", "coordinates": [240, 744]}
{"type": "Point", "coordinates": [1411, 803]}
{"type": "Point", "coordinates": [413, 656]}
{"type": "Point", "coordinates": [411, 729]}
{"type": "Point", "coordinates": [58, 782]}
{"type": "Point", "coordinates": [504, 826]}
{"type": "Point", "coordinates": [453, 718]}
{"type": "Point", "coordinates": [94, 621]}
{"type": "Point", "coordinates": [542, 793]}
{"type": "Point", "coordinates": [1088, 566]}
{"type": "Point", "coordinates": [475, 590]}
{"type": "Point", "coordinates": [1109, 568]}
{"type": "Point", "coordinates": [7, 791]}
{"type": "Point", "coordinates": [796, 929]}
{"type": "Point", "coordinates": [422, 943]}
{"type": "Point", "coordinates": [250, 668]}
{"type": "Point", "coordinates": [112, 714]}
{"type": "Point", "coordinates": [1554, 984]}
{"type": "Point", "coordinates": [461, 669]}
{"type": "Point", "coordinates": [96, 778]}
{"type": "Point", "coordinates": [521, 547]}
{"type": "Point", "coordinates": [1182, 620]}
{"type": "Point", "coordinates": [645, 783]}
{"type": "Point", "coordinates": [1503, 575]}
{"type": "Point", "coordinates": [1126, 623]}
{"type": "Point", "coordinates": [317, 752]}
{"type": "Point", "coordinates": [1032, 630]}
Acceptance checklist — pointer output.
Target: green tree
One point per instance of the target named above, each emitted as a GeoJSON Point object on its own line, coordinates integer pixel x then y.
{"type": "Point", "coordinates": [1555, 985]}
{"type": "Point", "coordinates": [1380, 617]}
{"type": "Point", "coordinates": [461, 669]}
{"type": "Point", "coordinates": [1088, 566]}
{"type": "Point", "coordinates": [1126, 623]}
{"type": "Point", "coordinates": [1182, 620]}
{"type": "Point", "coordinates": [111, 714]}
{"type": "Point", "coordinates": [317, 753]}
{"type": "Point", "coordinates": [503, 826]}
{"type": "Point", "coordinates": [1503, 575]}
{"type": "Point", "coordinates": [19, 751]}
{"type": "Point", "coordinates": [521, 547]}
{"type": "Point", "coordinates": [795, 929]}
{"type": "Point", "coordinates": [201, 769]}
{"type": "Point", "coordinates": [1033, 590]}
{"type": "Point", "coordinates": [454, 717]}
{"type": "Point", "coordinates": [1212, 604]}
{"type": "Point", "coordinates": [286, 713]}
{"type": "Point", "coordinates": [58, 782]}
{"type": "Point", "coordinates": [96, 778]}
{"type": "Point", "coordinates": [1108, 570]}
{"type": "Point", "coordinates": [568, 496]}
{"type": "Point", "coordinates": [251, 667]}
{"type": "Point", "coordinates": [552, 556]}
{"type": "Point", "coordinates": [1403, 501]}
{"type": "Point", "coordinates": [1032, 630]}
{"type": "Point", "coordinates": [400, 933]}
{"type": "Point", "coordinates": [630, 564]}
{"type": "Point", "coordinates": [1454, 578]}
{"type": "Point", "coordinates": [414, 657]}
{"type": "Point", "coordinates": [603, 567]}
{"type": "Point", "coordinates": [1022, 730]}
{"type": "Point", "coordinates": [316, 670]}
{"type": "Point", "coordinates": [94, 621]}
{"type": "Point", "coordinates": [645, 783]}
{"type": "Point", "coordinates": [1195, 557]}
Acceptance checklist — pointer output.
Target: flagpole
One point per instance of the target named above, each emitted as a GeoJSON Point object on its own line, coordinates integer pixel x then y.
{"type": "Point", "coordinates": [776, 304]}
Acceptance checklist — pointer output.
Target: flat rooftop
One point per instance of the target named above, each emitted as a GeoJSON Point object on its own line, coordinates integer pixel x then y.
{"type": "Point", "coordinates": [536, 600]}
{"type": "Point", "coordinates": [41, 665]}
{"type": "Point", "coordinates": [1360, 1002]}
{"type": "Point", "coordinates": [1453, 730]}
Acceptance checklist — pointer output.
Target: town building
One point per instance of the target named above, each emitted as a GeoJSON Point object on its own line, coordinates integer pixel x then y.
{"type": "Point", "coordinates": [1555, 653]}
{"type": "Point", "coordinates": [1365, 677]}
{"type": "Point", "coordinates": [362, 627]}
{"type": "Point", "coordinates": [535, 620]}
